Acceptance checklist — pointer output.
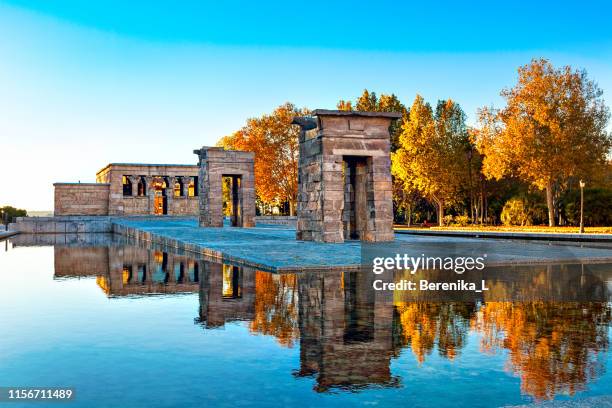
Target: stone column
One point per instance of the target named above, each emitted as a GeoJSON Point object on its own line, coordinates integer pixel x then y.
{"type": "Point", "coordinates": [184, 180]}
{"type": "Point", "coordinates": [134, 180]}
{"type": "Point", "coordinates": [170, 194]}
{"type": "Point", "coordinates": [150, 193]}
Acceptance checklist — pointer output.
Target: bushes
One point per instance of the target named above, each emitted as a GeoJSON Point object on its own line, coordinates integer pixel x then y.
{"type": "Point", "coordinates": [524, 210]}
{"type": "Point", "coordinates": [11, 213]}
{"type": "Point", "coordinates": [457, 221]}
{"type": "Point", "coordinates": [597, 207]}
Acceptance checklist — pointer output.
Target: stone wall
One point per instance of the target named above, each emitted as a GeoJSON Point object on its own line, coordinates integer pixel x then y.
{"type": "Point", "coordinates": [290, 221]}
{"type": "Point", "coordinates": [81, 198]}
{"type": "Point", "coordinates": [344, 177]}
{"type": "Point", "coordinates": [216, 163]}
{"type": "Point", "coordinates": [62, 225]}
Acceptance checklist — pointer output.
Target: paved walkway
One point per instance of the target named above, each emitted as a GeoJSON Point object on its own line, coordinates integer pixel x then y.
{"type": "Point", "coordinates": [6, 234]}
{"type": "Point", "coordinates": [530, 235]}
{"type": "Point", "coordinates": [275, 247]}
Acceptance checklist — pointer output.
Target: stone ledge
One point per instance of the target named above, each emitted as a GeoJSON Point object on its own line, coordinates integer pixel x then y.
{"type": "Point", "coordinates": [514, 235]}
{"type": "Point", "coordinates": [331, 112]}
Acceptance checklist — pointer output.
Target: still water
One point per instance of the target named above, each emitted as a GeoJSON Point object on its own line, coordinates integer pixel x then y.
{"type": "Point", "coordinates": [131, 326]}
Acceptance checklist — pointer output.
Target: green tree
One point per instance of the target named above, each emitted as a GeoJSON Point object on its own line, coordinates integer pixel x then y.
{"type": "Point", "coordinates": [11, 212]}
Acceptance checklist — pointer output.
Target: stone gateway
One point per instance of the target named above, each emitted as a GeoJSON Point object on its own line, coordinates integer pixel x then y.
{"type": "Point", "coordinates": [216, 164]}
{"type": "Point", "coordinates": [344, 176]}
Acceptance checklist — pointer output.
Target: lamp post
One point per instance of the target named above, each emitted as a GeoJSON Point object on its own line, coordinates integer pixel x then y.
{"type": "Point", "coordinates": [582, 184]}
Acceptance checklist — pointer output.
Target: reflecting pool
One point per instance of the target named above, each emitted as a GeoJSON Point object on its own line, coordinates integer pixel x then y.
{"type": "Point", "coordinates": [146, 326]}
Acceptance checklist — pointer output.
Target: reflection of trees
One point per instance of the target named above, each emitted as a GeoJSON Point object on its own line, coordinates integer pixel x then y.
{"type": "Point", "coordinates": [276, 307]}
{"type": "Point", "coordinates": [424, 325]}
{"type": "Point", "coordinates": [554, 347]}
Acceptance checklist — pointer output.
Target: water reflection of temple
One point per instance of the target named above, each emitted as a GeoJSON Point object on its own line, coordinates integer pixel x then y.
{"type": "Point", "coordinates": [227, 293]}
{"type": "Point", "coordinates": [349, 333]}
{"type": "Point", "coordinates": [346, 330]}
{"type": "Point", "coordinates": [128, 270]}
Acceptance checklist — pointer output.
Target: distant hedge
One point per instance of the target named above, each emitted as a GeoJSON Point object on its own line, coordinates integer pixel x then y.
{"type": "Point", "coordinates": [597, 207]}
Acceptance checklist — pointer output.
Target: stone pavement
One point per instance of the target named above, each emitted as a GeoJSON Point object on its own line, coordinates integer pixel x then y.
{"type": "Point", "coordinates": [274, 248]}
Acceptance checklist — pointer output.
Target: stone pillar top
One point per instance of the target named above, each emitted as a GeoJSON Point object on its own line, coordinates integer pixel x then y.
{"type": "Point", "coordinates": [211, 153]}
{"type": "Point", "coordinates": [347, 124]}
{"type": "Point", "coordinates": [331, 112]}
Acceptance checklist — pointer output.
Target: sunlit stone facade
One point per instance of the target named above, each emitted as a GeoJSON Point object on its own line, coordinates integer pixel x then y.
{"type": "Point", "coordinates": [215, 164]}
{"type": "Point", "coordinates": [132, 189]}
{"type": "Point", "coordinates": [344, 176]}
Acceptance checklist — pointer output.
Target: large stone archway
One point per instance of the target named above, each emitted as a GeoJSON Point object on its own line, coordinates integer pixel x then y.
{"type": "Point", "coordinates": [215, 164]}
{"type": "Point", "coordinates": [344, 177]}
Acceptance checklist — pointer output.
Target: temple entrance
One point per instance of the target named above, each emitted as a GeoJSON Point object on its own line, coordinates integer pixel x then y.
{"type": "Point", "coordinates": [232, 199]}
{"type": "Point", "coordinates": [354, 213]}
{"type": "Point", "coordinates": [232, 282]}
{"type": "Point", "coordinates": [227, 181]}
{"type": "Point", "coordinates": [160, 202]}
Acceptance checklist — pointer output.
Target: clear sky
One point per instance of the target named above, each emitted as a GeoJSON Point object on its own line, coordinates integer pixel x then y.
{"type": "Point", "coordinates": [85, 83]}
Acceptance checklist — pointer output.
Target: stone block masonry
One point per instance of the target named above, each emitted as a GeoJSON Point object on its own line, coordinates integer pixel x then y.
{"type": "Point", "coordinates": [81, 199]}
{"type": "Point", "coordinates": [344, 176]}
{"type": "Point", "coordinates": [215, 164]}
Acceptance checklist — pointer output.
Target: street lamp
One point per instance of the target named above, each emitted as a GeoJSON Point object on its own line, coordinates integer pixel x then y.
{"type": "Point", "coordinates": [582, 184]}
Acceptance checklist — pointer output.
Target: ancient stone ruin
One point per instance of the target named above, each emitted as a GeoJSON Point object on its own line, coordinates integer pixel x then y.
{"type": "Point", "coordinates": [237, 168]}
{"type": "Point", "coordinates": [344, 176]}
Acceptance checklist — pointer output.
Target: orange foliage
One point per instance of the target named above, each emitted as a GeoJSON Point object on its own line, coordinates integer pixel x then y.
{"type": "Point", "coordinates": [275, 143]}
{"type": "Point", "coordinates": [427, 324]}
{"type": "Point", "coordinates": [553, 347]}
{"type": "Point", "coordinates": [276, 307]}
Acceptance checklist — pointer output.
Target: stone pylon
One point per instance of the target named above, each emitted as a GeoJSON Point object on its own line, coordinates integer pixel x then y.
{"type": "Point", "coordinates": [344, 176]}
{"type": "Point", "coordinates": [216, 163]}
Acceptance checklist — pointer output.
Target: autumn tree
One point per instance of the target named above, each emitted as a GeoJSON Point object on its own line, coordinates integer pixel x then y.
{"type": "Point", "coordinates": [275, 143]}
{"type": "Point", "coordinates": [431, 152]}
{"type": "Point", "coordinates": [554, 347]}
{"type": "Point", "coordinates": [344, 105]}
{"type": "Point", "coordinates": [552, 129]}
{"type": "Point", "coordinates": [370, 102]}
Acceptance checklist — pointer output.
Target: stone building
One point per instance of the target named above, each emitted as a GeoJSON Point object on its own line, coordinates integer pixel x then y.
{"type": "Point", "coordinates": [216, 165]}
{"type": "Point", "coordinates": [344, 176]}
{"type": "Point", "coordinates": [132, 189]}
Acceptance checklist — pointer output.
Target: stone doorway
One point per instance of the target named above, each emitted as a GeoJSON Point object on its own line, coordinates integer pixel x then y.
{"type": "Point", "coordinates": [160, 201]}
{"type": "Point", "coordinates": [232, 282]}
{"type": "Point", "coordinates": [355, 211]}
{"type": "Point", "coordinates": [232, 195]}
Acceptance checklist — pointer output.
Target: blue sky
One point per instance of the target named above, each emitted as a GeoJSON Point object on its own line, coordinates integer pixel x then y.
{"type": "Point", "coordinates": [87, 83]}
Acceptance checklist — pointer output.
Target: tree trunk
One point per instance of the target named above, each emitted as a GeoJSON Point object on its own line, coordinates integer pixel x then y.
{"type": "Point", "coordinates": [440, 210]}
{"type": "Point", "coordinates": [291, 208]}
{"type": "Point", "coordinates": [550, 204]}
{"type": "Point", "coordinates": [409, 213]}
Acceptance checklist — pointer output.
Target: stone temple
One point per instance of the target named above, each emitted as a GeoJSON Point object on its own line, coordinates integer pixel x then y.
{"type": "Point", "coordinates": [216, 163]}
{"type": "Point", "coordinates": [344, 176]}
{"type": "Point", "coordinates": [126, 189]}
